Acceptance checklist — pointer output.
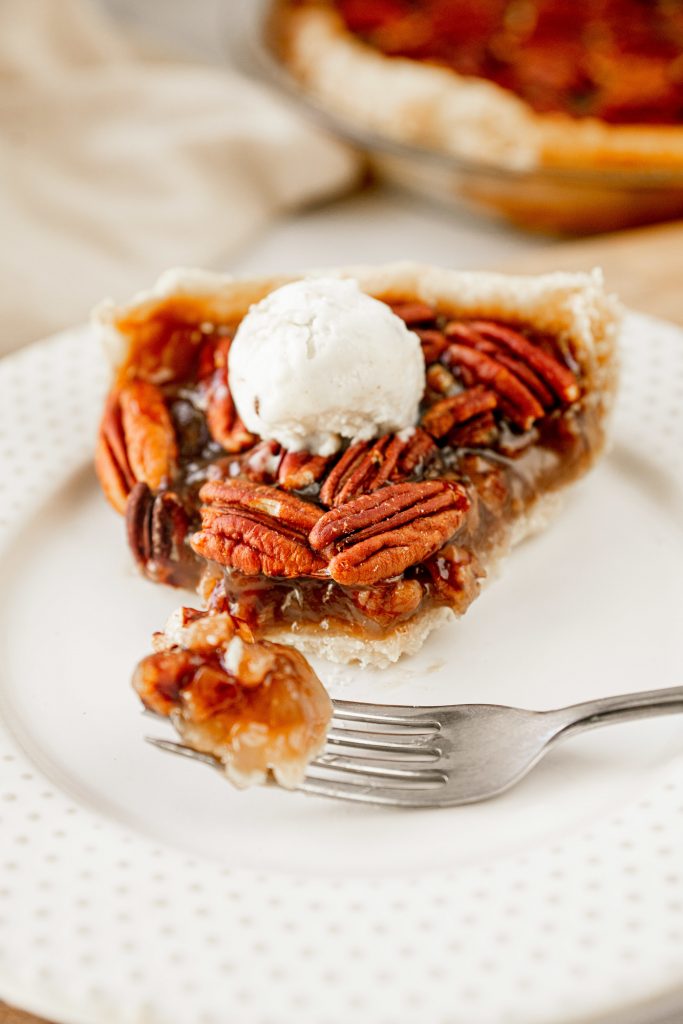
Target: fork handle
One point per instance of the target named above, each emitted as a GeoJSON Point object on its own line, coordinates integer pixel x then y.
{"type": "Point", "coordinates": [624, 707]}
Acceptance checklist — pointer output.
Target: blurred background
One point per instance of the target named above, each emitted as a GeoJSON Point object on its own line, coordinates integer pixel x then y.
{"type": "Point", "coordinates": [207, 30]}
{"type": "Point", "coordinates": [132, 145]}
{"type": "Point", "coordinates": [141, 134]}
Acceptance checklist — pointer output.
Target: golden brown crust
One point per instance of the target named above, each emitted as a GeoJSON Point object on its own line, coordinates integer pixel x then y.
{"type": "Point", "coordinates": [426, 105]}
{"type": "Point", "coordinates": [346, 648]}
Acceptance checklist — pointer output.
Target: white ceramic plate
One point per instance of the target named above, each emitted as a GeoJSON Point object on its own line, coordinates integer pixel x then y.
{"type": "Point", "coordinates": [136, 887]}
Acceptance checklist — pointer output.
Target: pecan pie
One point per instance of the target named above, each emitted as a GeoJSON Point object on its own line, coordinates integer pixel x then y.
{"type": "Point", "coordinates": [257, 707]}
{"type": "Point", "coordinates": [518, 83]}
{"type": "Point", "coordinates": [358, 553]}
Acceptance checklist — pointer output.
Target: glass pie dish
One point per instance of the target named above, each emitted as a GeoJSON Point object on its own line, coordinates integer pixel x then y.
{"type": "Point", "coordinates": [553, 199]}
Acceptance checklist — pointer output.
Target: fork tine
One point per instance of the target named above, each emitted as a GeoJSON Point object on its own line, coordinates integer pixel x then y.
{"type": "Point", "coordinates": [396, 796]}
{"type": "Point", "coordinates": [411, 795]}
{"type": "Point", "coordinates": [336, 763]}
{"type": "Point", "coordinates": [395, 714]}
{"type": "Point", "coordinates": [386, 770]}
{"type": "Point", "coordinates": [353, 711]}
{"type": "Point", "coordinates": [374, 741]}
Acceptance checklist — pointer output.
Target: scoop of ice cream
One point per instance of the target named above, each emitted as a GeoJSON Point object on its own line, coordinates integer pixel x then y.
{"type": "Point", "coordinates": [318, 361]}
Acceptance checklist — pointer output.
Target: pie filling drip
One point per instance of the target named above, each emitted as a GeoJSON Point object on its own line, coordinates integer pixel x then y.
{"type": "Point", "coordinates": [617, 60]}
{"type": "Point", "coordinates": [366, 539]}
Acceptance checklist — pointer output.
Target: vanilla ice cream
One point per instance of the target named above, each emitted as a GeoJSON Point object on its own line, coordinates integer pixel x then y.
{"type": "Point", "coordinates": [318, 361]}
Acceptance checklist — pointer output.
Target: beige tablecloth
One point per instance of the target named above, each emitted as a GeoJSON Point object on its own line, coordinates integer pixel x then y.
{"type": "Point", "coordinates": [115, 164]}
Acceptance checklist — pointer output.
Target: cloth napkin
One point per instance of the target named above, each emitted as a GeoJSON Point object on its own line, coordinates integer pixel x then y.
{"type": "Point", "coordinates": [116, 164]}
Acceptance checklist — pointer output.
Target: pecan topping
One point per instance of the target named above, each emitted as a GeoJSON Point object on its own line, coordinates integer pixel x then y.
{"type": "Point", "coordinates": [256, 529]}
{"type": "Point", "coordinates": [301, 469]}
{"type": "Point", "coordinates": [516, 400]}
{"type": "Point", "coordinates": [414, 456]}
{"type": "Point", "coordinates": [368, 465]}
{"type": "Point", "coordinates": [379, 535]}
{"type": "Point", "coordinates": [434, 344]}
{"type": "Point", "coordinates": [157, 526]}
{"type": "Point", "coordinates": [479, 432]}
{"type": "Point", "coordinates": [441, 417]}
{"type": "Point", "coordinates": [224, 424]}
{"type": "Point", "coordinates": [441, 380]}
{"type": "Point", "coordinates": [528, 380]}
{"type": "Point", "coordinates": [267, 463]}
{"type": "Point", "coordinates": [454, 573]}
{"type": "Point", "coordinates": [413, 312]}
{"type": "Point", "coordinates": [260, 464]}
{"type": "Point", "coordinates": [136, 441]}
{"type": "Point", "coordinates": [557, 376]}
{"type": "Point", "coordinates": [387, 603]}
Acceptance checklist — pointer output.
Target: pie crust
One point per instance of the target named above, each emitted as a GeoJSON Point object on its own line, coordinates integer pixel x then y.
{"type": "Point", "coordinates": [434, 107]}
{"type": "Point", "coordinates": [476, 503]}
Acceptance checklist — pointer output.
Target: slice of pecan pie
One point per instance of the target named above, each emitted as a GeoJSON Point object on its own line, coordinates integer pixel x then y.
{"type": "Point", "coordinates": [514, 83]}
{"type": "Point", "coordinates": [358, 552]}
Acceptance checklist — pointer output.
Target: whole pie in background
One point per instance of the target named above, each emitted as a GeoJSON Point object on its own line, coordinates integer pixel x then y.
{"type": "Point", "coordinates": [520, 83]}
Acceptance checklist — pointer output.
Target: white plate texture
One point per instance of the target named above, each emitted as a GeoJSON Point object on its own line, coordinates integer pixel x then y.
{"type": "Point", "coordinates": [137, 888]}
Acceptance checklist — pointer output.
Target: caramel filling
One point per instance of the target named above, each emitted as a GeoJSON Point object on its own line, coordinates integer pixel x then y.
{"type": "Point", "coordinates": [255, 707]}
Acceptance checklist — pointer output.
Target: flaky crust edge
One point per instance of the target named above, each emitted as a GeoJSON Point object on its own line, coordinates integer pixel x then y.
{"type": "Point", "coordinates": [572, 306]}
{"type": "Point", "coordinates": [421, 104]}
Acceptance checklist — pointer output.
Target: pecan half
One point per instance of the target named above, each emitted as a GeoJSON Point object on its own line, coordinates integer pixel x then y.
{"type": "Point", "coordinates": [301, 469]}
{"type": "Point", "coordinates": [368, 465]}
{"type": "Point", "coordinates": [379, 535]}
{"type": "Point", "coordinates": [454, 574]}
{"type": "Point", "coordinates": [528, 380]}
{"type": "Point", "coordinates": [256, 529]}
{"type": "Point", "coordinates": [516, 401]}
{"type": "Point", "coordinates": [260, 464]}
{"type": "Point", "coordinates": [433, 343]}
{"type": "Point", "coordinates": [224, 424]}
{"type": "Point", "coordinates": [479, 432]}
{"type": "Point", "coordinates": [136, 441]}
{"type": "Point", "coordinates": [387, 603]}
{"type": "Point", "coordinates": [559, 378]}
{"type": "Point", "coordinates": [441, 417]}
{"type": "Point", "coordinates": [267, 463]}
{"type": "Point", "coordinates": [440, 380]}
{"type": "Point", "coordinates": [414, 456]}
{"type": "Point", "coordinates": [157, 526]}
{"type": "Point", "coordinates": [413, 312]}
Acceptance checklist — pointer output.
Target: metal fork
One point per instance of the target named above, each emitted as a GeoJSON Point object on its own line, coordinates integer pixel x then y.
{"type": "Point", "coordinates": [442, 756]}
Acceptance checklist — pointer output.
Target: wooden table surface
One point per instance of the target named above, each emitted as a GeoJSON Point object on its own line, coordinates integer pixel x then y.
{"type": "Point", "coordinates": [645, 267]}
